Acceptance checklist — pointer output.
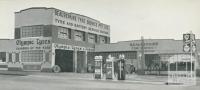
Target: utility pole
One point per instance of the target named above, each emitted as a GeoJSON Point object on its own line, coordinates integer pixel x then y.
{"type": "Point", "coordinates": [142, 56]}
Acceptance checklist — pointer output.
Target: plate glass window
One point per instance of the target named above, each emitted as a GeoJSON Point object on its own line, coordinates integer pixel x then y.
{"type": "Point", "coordinates": [32, 56]}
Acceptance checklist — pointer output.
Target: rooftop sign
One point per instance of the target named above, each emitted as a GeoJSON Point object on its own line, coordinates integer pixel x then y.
{"type": "Point", "coordinates": [79, 22]}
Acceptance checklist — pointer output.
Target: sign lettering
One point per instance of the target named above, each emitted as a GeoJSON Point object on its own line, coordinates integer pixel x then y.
{"type": "Point", "coordinates": [83, 23]}
{"type": "Point", "coordinates": [33, 44]}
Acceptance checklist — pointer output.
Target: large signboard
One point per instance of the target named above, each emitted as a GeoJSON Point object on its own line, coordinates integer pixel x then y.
{"type": "Point", "coordinates": [79, 22]}
{"type": "Point", "coordinates": [33, 44]}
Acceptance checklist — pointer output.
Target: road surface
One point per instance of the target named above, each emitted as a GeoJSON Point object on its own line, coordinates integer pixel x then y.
{"type": "Point", "coordinates": [74, 81]}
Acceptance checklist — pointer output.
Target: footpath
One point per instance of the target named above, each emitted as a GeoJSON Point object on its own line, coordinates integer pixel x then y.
{"type": "Point", "coordinates": [150, 79]}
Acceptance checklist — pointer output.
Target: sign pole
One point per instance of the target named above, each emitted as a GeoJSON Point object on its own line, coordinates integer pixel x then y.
{"type": "Point", "coordinates": [169, 69]}
{"type": "Point", "coordinates": [120, 65]}
{"type": "Point", "coordinates": [186, 65]}
{"type": "Point", "coordinates": [142, 55]}
{"type": "Point", "coordinates": [191, 58]}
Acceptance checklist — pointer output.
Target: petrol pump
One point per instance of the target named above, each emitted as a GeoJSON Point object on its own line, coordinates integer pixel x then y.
{"type": "Point", "coordinates": [98, 74]}
{"type": "Point", "coordinates": [110, 68]}
{"type": "Point", "coordinates": [121, 67]}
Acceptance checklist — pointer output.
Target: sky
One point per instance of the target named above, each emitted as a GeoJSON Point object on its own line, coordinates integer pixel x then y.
{"type": "Point", "coordinates": [128, 19]}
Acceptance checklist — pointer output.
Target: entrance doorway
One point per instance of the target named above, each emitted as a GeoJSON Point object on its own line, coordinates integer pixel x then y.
{"type": "Point", "coordinates": [81, 62]}
{"type": "Point", "coordinates": [64, 59]}
{"type": "Point", "coordinates": [152, 62]}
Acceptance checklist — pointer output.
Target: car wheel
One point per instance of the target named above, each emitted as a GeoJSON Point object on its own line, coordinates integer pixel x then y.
{"type": "Point", "coordinates": [56, 69]}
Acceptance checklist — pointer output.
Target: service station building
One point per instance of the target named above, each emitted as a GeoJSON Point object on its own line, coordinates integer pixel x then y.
{"type": "Point", "coordinates": [45, 37]}
{"type": "Point", "coordinates": [156, 54]}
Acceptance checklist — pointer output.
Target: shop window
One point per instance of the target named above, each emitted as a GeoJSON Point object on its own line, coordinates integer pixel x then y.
{"type": "Point", "coordinates": [63, 33]}
{"type": "Point", "coordinates": [32, 56]}
{"type": "Point", "coordinates": [32, 31]}
{"type": "Point", "coordinates": [2, 56]}
{"type": "Point", "coordinates": [16, 57]}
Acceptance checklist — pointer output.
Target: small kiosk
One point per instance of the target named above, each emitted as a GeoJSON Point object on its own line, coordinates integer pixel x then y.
{"type": "Point", "coordinates": [98, 74]}
{"type": "Point", "coordinates": [181, 72]}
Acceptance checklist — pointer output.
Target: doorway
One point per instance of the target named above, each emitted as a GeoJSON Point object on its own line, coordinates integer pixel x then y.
{"type": "Point", "coordinates": [81, 65]}
{"type": "Point", "coordinates": [64, 59]}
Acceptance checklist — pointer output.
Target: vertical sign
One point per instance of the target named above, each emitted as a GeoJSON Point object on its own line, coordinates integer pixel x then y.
{"type": "Point", "coordinates": [186, 42]}
{"type": "Point", "coordinates": [189, 44]}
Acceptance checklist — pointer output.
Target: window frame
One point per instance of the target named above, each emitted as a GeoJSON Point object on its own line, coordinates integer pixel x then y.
{"type": "Point", "coordinates": [32, 31]}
